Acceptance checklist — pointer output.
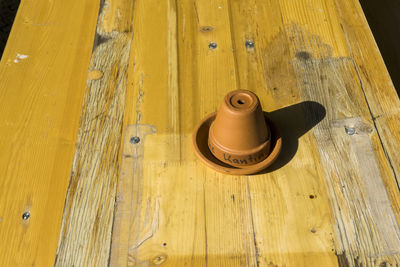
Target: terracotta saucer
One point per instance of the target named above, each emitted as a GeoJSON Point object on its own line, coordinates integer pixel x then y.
{"type": "Point", "coordinates": [200, 143]}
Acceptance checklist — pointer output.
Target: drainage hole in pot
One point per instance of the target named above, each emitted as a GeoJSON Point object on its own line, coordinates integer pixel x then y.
{"type": "Point", "coordinates": [240, 102]}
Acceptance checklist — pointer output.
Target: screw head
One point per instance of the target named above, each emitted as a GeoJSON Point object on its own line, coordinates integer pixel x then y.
{"type": "Point", "coordinates": [134, 140]}
{"type": "Point", "coordinates": [212, 45]}
{"type": "Point", "coordinates": [350, 130]}
{"type": "Point", "coordinates": [249, 44]}
{"type": "Point", "coordinates": [26, 215]}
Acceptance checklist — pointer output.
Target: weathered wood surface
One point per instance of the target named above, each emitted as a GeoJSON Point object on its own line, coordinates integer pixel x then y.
{"type": "Point", "coordinates": [42, 84]}
{"type": "Point", "coordinates": [91, 191]}
{"type": "Point", "coordinates": [331, 199]}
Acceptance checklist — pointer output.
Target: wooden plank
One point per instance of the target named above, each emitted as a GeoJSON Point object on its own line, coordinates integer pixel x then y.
{"type": "Point", "coordinates": [42, 75]}
{"type": "Point", "coordinates": [179, 231]}
{"type": "Point", "coordinates": [355, 171]}
{"type": "Point", "coordinates": [282, 201]}
{"type": "Point", "coordinates": [362, 208]}
{"type": "Point", "coordinates": [369, 63]}
{"type": "Point", "coordinates": [367, 60]}
{"type": "Point", "coordinates": [190, 236]}
{"type": "Point", "coordinates": [202, 217]}
{"type": "Point", "coordinates": [126, 226]}
{"type": "Point", "coordinates": [88, 211]}
{"type": "Point", "coordinates": [374, 77]}
{"type": "Point", "coordinates": [185, 213]}
{"type": "Point", "coordinates": [378, 89]}
{"type": "Point", "coordinates": [389, 136]}
{"type": "Point", "coordinates": [331, 199]}
{"type": "Point", "coordinates": [383, 102]}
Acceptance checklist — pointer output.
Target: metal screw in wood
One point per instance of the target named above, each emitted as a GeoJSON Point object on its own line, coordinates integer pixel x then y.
{"type": "Point", "coordinates": [212, 46]}
{"type": "Point", "coordinates": [26, 215]}
{"type": "Point", "coordinates": [134, 140]}
{"type": "Point", "coordinates": [350, 130]}
{"type": "Point", "coordinates": [249, 44]}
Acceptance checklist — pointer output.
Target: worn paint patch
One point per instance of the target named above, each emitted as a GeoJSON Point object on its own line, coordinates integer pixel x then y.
{"type": "Point", "coordinates": [20, 57]}
{"type": "Point", "coordinates": [91, 191]}
{"type": "Point", "coordinates": [130, 229]}
{"type": "Point", "coordinates": [366, 229]}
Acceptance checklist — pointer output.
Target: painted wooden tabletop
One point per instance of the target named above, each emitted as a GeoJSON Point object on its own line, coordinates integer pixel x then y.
{"type": "Point", "coordinates": [79, 78]}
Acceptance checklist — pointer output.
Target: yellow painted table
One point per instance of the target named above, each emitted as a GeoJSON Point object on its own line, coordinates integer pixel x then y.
{"type": "Point", "coordinates": [77, 76]}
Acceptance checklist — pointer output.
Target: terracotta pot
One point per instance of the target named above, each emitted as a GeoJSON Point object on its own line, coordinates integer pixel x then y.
{"type": "Point", "coordinates": [240, 118]}
{"type": "Point", "coordinates": [240, 136]}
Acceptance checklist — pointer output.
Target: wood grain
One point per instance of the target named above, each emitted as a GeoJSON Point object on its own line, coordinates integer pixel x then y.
{"type": "Point", "coordinates": [362, 207]}
{"type": "Point", "coordinates": [327, 74]}
{"type": "Point", "coordinates": [207, 218]}
{"type": "Point", "coordinates": [42, 83]}
{"type": "Point", "coordinates": [379, 92]}
{"type": "Point", "coordinates": [331, 199]}
{"type": "Point", "coordinates": [91, 192]}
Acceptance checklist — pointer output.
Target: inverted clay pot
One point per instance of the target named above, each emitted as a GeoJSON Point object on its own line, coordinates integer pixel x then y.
{"type": "Point", "coordinates": [239, 139]}
{"type": "Point", "coordinates": [239, 135]}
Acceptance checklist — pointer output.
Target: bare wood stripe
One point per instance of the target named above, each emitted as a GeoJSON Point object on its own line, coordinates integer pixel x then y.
{"type": "Point", "coordinates": [353, 178]}
{"type": "Point", "coordinates": [129, 231]}
{"type": "Point", "coordinates": [89, 204]}
{"type": "Point", "coordinates": [379, 92]}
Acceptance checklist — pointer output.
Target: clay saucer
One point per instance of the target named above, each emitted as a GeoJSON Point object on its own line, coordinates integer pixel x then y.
{"type": "Point", "coordinates": [201, 148]}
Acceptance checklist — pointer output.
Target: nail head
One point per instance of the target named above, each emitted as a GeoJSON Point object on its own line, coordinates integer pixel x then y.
{"type": "Point", "coordinates": [26, 215]}
{"type": "Point", "coordinates": [212, 45]}
{"type": "Point", "coordinates": [350, 130]}
{"type": "Point", "coordinates": [135, 140]}
{"type": "Point", "coordinates": [249, 44]}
